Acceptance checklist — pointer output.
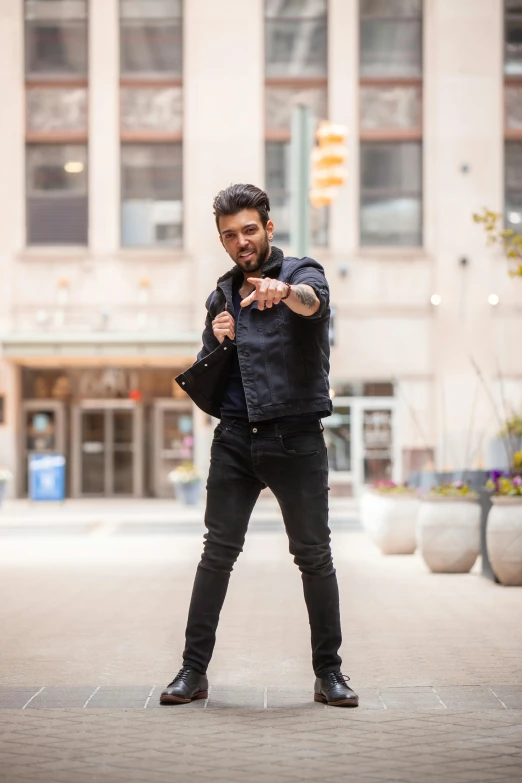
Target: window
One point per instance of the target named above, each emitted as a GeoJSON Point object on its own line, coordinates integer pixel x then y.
{"type": "Point", "coordinates": [57, 194]}
{"type": "Point", "coordinates": [151, 195]}
{"type": "Point", "coordinates": [295, 72]}
{"type": "Point", "coordinates": [151, 96]}
{"type": "Point", "coordinates": [513, 113]}
{"type": "Point", "coordinates": [56, 38]}
{"type": "Point", "coordinates": [151, 38]}
{"type": "Point", "coordinates": [390, 69]}
{"type": "Point", "coordinates": [56, 121]}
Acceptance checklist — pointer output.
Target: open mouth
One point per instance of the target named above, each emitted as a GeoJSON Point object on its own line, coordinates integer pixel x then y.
{"type": "Point", "coordinates": [248, 256]}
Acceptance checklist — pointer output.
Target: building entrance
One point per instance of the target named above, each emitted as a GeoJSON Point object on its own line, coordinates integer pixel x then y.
{"type": "Point", "coordinates": [107, 443]}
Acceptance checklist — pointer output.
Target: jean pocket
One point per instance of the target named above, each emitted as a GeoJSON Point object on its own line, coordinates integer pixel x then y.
{"type": "Point", "coordinates": [302, 444]}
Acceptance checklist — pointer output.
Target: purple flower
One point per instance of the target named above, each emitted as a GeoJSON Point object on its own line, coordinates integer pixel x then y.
{"type": "Point", "coordinates": [517, 481]}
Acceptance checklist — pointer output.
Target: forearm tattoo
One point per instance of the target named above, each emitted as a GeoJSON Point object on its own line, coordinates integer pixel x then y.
{"type": "Point", "coordinates": [305, 296]}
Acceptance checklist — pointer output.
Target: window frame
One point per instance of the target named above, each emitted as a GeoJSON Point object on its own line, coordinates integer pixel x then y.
{"type": "Point", "coordinates": [283, 135]}
{"type": "Point", "coordinates": [149, 137]}
{"type": "Point", "coordinates": [62, 138]}
{"type": "Point", "coordinates": [392, 135]}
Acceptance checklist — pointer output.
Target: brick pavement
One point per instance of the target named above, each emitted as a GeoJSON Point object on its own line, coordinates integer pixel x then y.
{"type": "Point", "coordinates": [435, 658]}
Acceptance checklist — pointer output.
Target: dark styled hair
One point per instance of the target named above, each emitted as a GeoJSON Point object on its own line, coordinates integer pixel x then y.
{"type": "Point", "coordinates": [235, 198]}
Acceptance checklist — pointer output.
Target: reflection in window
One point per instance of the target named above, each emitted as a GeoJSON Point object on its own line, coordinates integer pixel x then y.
{"type": "Point", "coordinates": [513, 179]}
{"type": "Point", "coordinates": [377, 443]}
{"type": "Point", "coordinates": [151, 37]}
{"type": "Point", "coordinates": [391, 193]}
{"type": "Point", "coordinates": [56, 37]}
{"type": "Point", "coordinates": [513, 38]}
{"type": "Point", "coordinates": [57, 194]}
{"type": "Point", "coordinates": [337, 435]}
{"type": "Point", "coordinates": [278, 189]}
{"type": "Point", "coordinates": [296, 48]}
{"type": "Point", "coordinates": [513, 107]}
{"type": "Point", "coordinates": [151, 195]}
{"type": "Point", "coordinates": [390, 38]}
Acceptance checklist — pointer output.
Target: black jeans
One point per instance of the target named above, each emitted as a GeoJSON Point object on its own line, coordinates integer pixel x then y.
{"type": "Point", "coordinates": [291, 459]}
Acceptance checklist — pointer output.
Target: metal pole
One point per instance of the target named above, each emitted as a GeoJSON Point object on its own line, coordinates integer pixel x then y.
{"type": "Point", "coordinates": [300, 148]}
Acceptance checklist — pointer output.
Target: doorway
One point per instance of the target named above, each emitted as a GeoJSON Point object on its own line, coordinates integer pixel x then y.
{"type": "Point", "coordinates": [107, 445]}
{"type": "Point", "coordinates": [362, 441]}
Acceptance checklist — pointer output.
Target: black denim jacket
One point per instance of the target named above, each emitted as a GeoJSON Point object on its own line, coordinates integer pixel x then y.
{"type": "Point", "coordinates": [284, 357]}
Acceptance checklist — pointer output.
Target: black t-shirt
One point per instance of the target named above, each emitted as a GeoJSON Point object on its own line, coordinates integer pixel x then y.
{"type": "Point", "coordinates": [234, 404]}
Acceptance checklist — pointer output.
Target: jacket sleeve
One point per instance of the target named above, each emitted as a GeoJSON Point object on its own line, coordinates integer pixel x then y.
{"type": "Point", "coordinates": [209, 340]}
{"type": "Point", "coordinates": [309, 272]}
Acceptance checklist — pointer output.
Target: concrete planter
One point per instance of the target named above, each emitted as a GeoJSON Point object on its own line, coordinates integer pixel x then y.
{"type": "Point", "coordinates": [504, 539]}
{"type": "Point", "coordinates": [390, 521]}
{"type": "Point", "coordinates": [448, 533]}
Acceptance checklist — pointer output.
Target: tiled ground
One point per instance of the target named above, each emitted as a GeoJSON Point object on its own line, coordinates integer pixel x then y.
{"type": "Point", "coordinates": [91, 628]}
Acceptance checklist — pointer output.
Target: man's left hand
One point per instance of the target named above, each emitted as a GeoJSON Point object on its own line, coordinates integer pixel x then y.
{"type": "Point", "coordinates": [267, 292]}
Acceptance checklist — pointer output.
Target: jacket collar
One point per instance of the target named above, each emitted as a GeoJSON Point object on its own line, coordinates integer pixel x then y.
{"type": "Point", "coordinates": [271, 267]}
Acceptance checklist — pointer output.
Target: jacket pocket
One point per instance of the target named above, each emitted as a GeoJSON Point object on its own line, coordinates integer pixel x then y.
{"type": "Point", "coordinates": [269, 321]}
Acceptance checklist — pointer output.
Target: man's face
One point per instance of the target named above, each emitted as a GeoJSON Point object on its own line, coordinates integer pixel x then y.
{"type": "Point", "coordinates": [245, 240]}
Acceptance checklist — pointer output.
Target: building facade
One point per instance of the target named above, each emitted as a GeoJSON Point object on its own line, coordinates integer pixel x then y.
{"type": "Point", "coordinates": [123, 120]}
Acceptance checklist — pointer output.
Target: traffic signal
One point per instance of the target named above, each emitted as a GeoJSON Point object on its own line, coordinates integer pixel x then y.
{"type": "Point", "coordinates": [328, 161]}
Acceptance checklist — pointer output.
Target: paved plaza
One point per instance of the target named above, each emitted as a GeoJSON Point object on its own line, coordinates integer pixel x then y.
{"type": "Point", "coordinates": [93, 601]}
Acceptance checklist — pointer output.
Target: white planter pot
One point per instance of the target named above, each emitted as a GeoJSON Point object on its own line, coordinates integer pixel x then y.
{"type": "Point", "coordinates": [504, 539]}
{"type": "Point", "coordinates": [448, 534]}
{"type": "Point", "coordinates": [390, 521]}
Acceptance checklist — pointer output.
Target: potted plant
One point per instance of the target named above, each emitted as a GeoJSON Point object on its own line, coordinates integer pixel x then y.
{"type": "Point", "coordinates": [448, 528]}
{"type": "Point", "coordinates": [186, 481]}
{"type": "Point", "coordinates": [5, 476]}
{"type": "Point", "coordinates": [389, 516]}
{"type": "Point", "coordinates": [504, 528]}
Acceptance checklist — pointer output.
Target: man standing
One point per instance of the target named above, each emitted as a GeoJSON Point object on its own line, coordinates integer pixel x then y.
{"type": "Point", "coordinates": [263, 370]}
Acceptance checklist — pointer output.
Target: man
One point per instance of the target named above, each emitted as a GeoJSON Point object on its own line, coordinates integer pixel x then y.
{"type": "Point", "coordinates": [263, 370]}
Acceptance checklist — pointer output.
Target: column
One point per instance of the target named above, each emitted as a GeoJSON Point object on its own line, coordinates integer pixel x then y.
{"type": "Point", "coordinates": [104, 130]}
{"type": "Point", "coordinates": [223, 133]}
{"type": "Point", "coordinates": [463, 172]}
{"type": "Point", "coordinates": [343, 107]}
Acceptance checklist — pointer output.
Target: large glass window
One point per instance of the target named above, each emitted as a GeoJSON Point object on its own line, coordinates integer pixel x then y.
{"type": "Point", "coordinates": [391, 38]}
{"type": "Point", "coordinates": [56, 69]}
{"type": "Point", "coordinates": [390, 68]}
{"type": "Point", "coordinates": [513, 38]}
{"type": "Point", "coordinates": [56, 38]}
{"type": "Point", "coordinates": [57, 194]}
{"type": "Point", "coordinates": [391, 193]}
{"type": "Point", "coordinates": [151, 37]}
{"type": "Point", "coordinates": [151, 113]}
{"type": "Point", "coordinates": [296, 72]}
{"type": "Point", "coordinates": [513, 114]}
{"type": "Point", "coordinates": [151, 195]}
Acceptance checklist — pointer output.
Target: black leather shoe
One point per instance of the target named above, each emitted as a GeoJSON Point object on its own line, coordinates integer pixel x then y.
{"type": "Point", "coordinates": [332, 689]}
{"type": "Point", "coordinates": [188, 685]}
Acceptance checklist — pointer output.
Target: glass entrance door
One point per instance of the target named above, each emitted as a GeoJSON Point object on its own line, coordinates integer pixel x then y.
{"type": "Point", "coordinates": [42, 432]}
{"type": "Point", "coordinates": [172, 443]}
{"type": "Point", "coordinates": [107, 441]}
{"type": "Point", "coordinates": [361, 436]}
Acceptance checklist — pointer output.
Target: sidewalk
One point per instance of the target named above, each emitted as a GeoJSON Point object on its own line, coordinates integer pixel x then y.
{"type": "Point", "coordinates": [140, 511]}
{"type": "Point", "coordinates": [92, 629]}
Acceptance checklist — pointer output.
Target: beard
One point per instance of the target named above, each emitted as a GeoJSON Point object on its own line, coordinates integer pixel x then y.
{"type": "Point", "coordinates": [258, 258]}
